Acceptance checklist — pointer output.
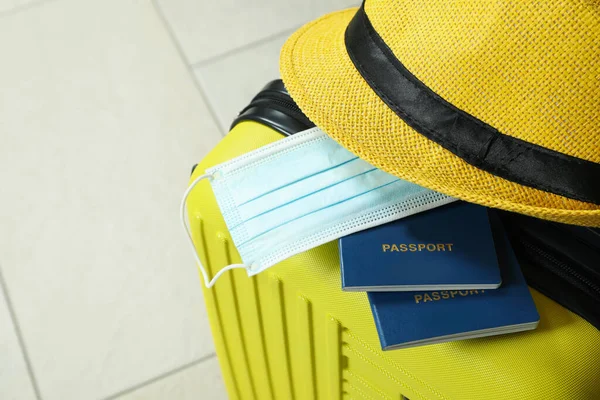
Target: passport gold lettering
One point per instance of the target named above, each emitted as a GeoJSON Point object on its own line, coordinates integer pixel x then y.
{"type": "Point", "coordinates": [413, 247]}
{"type": "Point", "coordinates": [444, 295]}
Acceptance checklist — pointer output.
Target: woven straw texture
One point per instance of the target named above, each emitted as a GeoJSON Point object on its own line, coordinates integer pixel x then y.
{"type": "Point", "coordinates": [529, 69]}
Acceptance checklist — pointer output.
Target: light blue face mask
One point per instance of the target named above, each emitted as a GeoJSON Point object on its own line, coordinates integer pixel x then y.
{"type": "Point", "coordinates": [300, 192]}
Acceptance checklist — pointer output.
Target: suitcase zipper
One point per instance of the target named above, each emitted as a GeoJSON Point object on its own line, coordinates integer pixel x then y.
{"type": "Point", "coordinates": [275, 108]}
{"type": "Point", "coordinates": [562, 269]}
{"type": "Point", "coordinates": [277, 99]}
{"type": "Point", "coordinates": [559, 261]}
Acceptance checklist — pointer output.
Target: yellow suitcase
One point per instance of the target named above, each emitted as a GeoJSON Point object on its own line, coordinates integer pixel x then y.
{"type": "Point", "coordinates": [292, 333]}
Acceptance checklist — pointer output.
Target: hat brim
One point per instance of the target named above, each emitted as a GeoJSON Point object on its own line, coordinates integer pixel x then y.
{"type": "Point", "coordinates": [323, 81]}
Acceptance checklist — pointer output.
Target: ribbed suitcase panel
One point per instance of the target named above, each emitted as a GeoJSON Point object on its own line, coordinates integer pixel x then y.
{"type": "Point", "coordinates": [291, 333]}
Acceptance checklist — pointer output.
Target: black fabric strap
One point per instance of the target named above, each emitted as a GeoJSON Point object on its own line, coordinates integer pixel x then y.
{"type": "Point", "coordinates": [461, 133]}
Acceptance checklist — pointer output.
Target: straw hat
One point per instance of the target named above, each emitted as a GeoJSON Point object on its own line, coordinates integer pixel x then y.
{"type": "Point", "coordinates": [493, 102]}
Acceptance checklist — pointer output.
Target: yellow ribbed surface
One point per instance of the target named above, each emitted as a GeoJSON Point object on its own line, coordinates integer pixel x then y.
{"type": "Point", "coordinates": [530, 69]}
{"type": "Point", "coordinates": [291, 333]}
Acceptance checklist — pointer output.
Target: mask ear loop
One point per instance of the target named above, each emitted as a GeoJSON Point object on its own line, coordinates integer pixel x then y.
{"type": "Point", "coordinates": [184, 219]}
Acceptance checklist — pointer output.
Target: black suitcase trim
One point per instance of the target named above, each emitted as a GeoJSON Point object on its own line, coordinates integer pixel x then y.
{"type": "Point", "coordinates": [560, 261]}
{"type": "Point", "coordinates": [274, 107]}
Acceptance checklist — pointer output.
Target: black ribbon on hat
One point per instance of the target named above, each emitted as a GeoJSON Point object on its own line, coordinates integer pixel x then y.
{"type": "Point", "coordinates": [469, 138]}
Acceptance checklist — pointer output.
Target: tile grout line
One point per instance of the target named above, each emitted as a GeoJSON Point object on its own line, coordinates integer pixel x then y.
{"type": "Point", "coordinates": [183, 57]}
{"type": "Point", "coordinates": [224, 126]}
{"type": "Point", "coordinates": [248, 46]}
{"type": "Point", "coordinates": [20, 338]}
{"type": "Point", "coordinates": [196, 66]}
{"type": "Point", "coordinates": [23, 7]}
{"type": "Point", "coordinates": [161, 377]}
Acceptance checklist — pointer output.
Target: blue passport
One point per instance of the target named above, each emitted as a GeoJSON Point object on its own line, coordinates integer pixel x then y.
{"type": "Point", "coordinates": [447, 248]}
{"type": "Point", "coordinates": [406, 319]}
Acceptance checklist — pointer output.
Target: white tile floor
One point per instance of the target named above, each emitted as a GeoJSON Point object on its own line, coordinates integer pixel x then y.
{"type": "Point", "coordinates": [104, 107]}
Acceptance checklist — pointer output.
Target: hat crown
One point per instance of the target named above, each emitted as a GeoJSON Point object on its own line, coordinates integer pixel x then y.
{"type": "Point", "coordinates": [529, 69]}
